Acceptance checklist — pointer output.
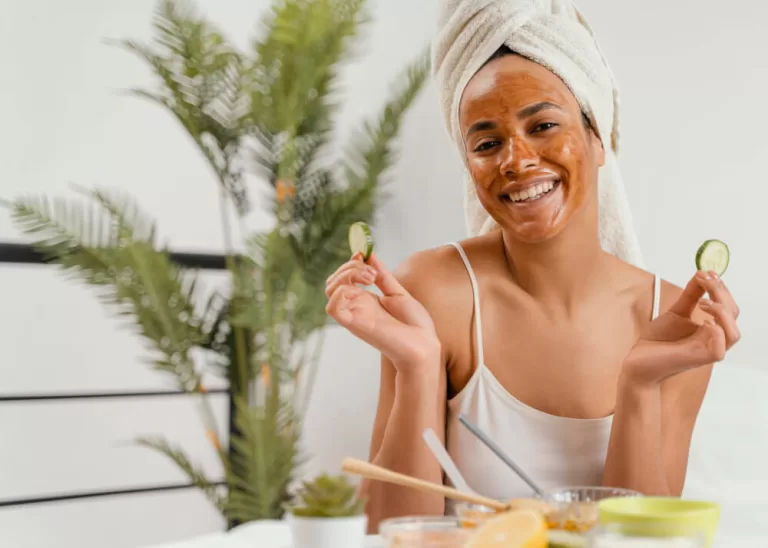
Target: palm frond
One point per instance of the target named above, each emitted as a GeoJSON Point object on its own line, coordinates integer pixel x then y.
{"type": "Point", "coordinates": [264, 460]}
{"type": "Point", "coordinates": [195, 475]}
{"type": "Point", "coordinates": [295, 70]}
{"type": "Point", "coordinates": [77, 236]}
{"type": "Point", "coordinates": [321, 243]}
{"type": "Point", "coordinates": [109, 245]}
{"type": "Point", "coordinates": [201, 82]}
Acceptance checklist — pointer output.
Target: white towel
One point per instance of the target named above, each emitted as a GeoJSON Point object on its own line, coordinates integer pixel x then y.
{"type": "Point", "coordinates": [554, 34]}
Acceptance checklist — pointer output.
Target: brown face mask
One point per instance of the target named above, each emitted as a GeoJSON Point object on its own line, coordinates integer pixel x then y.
{"type": "Point", "coordinates": [532, 157]}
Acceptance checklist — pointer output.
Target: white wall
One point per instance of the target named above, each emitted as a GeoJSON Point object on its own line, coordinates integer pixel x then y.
{"type": "Point", "coordinates": [693, 126]}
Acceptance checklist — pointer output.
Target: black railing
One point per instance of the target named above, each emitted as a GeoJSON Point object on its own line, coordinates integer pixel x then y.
{"type": "Point", "coordinates": [13, 253]}
{"type": "Point", "coordinates": [18, 254]}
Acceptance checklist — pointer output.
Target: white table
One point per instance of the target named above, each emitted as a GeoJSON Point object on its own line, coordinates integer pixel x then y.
{"type": "Point", "coordinates": [258, 534]}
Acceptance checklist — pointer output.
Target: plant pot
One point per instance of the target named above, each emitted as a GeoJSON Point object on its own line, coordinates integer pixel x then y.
{"type": "Point", "coordinates": [347, 532]}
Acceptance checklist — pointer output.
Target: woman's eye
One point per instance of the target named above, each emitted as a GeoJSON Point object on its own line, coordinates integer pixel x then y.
{"type": "Point", "coordinates": [543, 127]}
{"type": "Point", "coordinates": [487, 145]}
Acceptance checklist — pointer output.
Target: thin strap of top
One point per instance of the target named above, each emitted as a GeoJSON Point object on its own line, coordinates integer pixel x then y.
{"type": "Point", "coordinates": [476, 297]}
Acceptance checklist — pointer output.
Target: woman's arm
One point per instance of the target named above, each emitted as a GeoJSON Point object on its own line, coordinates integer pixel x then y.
{"type": "Point", "coordinates": [662, 387]}
{"type": "Point", "coordinates": [652, 431]}
{"type": "Point", "coordinates": [407, 405]}
{"type": "Point", "coordinates": [412, 393]}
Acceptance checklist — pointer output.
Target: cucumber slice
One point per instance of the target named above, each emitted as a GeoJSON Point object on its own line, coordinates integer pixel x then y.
{"type": "Point", "coordinates": [557, 538]}
{"type": "Point", "coordinates": [361, 239]}
{"type": "Point", "coordinates": [713, 255]}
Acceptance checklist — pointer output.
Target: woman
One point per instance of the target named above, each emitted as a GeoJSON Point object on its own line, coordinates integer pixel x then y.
{"type": "Point", "coordinates": [584, 368]}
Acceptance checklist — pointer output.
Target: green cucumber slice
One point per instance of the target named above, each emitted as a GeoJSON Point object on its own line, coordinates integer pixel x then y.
{"type": "Point", "coordinates": [713, 255]}
{"type": "Point", "coordinates": [558, 538]}
{"type": "Point", "coordinates": [361, 239]}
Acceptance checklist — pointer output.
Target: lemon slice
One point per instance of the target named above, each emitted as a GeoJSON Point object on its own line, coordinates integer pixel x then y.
{"type": "Point", "coordinates": [513, 529]}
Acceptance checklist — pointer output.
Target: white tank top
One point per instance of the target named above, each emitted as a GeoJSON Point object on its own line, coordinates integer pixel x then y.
{"type": "Point", "coordinates": [554, 451]}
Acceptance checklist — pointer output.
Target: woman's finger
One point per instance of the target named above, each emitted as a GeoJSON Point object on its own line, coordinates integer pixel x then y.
{"type": "Point", "coordinates": [717, 290]}
{"type": "Point", "coordinates": [725, 319]}
{"type": "Point", "coordinates": [385, 280]}
{"type": "Point", "coordinates": [351, 272]}
{"type": "Point", "coordinates": [356, 261]}
{"type": "Point", "coordinates": [715, 341]}
{"type": "Point", "coordinates": [350, 277]}
{"type": "Point", "coordinates": [339, 305]}
{"type": "Point", "coordinates": [689, 298]}
{"type": "Point", "coordinates": [703, 347]}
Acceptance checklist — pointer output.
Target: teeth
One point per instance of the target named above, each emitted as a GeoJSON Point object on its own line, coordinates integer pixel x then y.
{"type": "Point", "coordinates": [533, 192]}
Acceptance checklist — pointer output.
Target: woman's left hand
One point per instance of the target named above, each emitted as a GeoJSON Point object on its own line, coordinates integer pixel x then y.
{"type": "Point", "coordinates": [674, 342]}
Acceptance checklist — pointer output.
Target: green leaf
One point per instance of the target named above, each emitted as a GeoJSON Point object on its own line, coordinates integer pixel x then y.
{"type": "Point", "coordinates": [321, 244]}
{"type": "Point", "coordinates": [263, 463]}
{"type": "Point", "coordinates": [201, 82]}
{"type": "Point", "coordinates": [108, 244]}
{"type": "Point", "coordinates": [295, 71]}
{"type": "Point", "coordinates": [327, 496]}
{"type": "Point", "coordinates": [195, 475]}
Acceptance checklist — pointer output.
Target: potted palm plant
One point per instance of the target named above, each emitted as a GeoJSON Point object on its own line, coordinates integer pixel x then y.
{"type": "Point", "coordinates": [266, 113]}
{"type": "Point", "coordinates": [327, 513]}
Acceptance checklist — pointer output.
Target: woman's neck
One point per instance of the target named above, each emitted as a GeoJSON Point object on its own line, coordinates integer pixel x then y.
{"type": "Point", "coordinates": [561, 272]}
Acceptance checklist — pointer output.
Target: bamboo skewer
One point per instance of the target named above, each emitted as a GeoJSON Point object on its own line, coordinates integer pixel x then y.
{"type": "Point", "coordinates": [374, 472]}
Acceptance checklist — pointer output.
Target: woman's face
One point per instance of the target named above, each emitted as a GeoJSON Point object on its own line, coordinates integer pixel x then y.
{"type": "Point", "coordinates": [532, 158]}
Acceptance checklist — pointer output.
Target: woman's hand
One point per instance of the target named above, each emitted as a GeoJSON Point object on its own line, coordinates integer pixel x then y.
{"type": "Point", "coordinates": [674, 342]}
{"type": "Point", "coordinates": [395, 323]}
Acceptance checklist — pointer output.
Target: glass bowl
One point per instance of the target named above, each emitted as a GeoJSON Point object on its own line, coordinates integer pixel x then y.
{"type": "Point", "coordinates": [472, 515]}
{"type": "Point", "coordinates": [423, 532]}
{"type": "Point", "coordinates": [576, 508]}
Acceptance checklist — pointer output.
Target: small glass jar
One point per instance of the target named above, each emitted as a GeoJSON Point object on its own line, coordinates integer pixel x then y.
{"type": "Point", "coordinates": [423, 532]}
{"type": "Point", "coordinates": [575, 508]}
{"type": "Point", "coordinates": [471, 516]}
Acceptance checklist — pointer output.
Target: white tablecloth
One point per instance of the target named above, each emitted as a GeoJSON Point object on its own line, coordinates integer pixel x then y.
{"type": "Point", "coordinates": [261, 534]}
{"type": "Point", "coordinates": [275, 534]}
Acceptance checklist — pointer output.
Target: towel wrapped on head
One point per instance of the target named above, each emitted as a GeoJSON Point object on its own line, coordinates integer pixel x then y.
{"type": "Point", "coordinates": [554, 34]}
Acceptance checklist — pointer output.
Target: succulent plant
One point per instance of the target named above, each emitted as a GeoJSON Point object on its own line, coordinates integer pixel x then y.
{"type": "Point", "coordinates": [327, 497]}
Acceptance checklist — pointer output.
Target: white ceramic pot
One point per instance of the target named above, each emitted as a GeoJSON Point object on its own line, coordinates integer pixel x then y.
{"type": "Point", "coordinates": [346, 532]}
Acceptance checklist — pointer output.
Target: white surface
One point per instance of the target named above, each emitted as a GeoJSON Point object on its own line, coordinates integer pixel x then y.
{"type": "Point", "coordinates": [267, 534]}
{"type": "Point", "coordinates": [693, 160]}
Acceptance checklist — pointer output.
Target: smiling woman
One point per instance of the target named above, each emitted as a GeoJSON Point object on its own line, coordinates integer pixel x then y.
{"type": "Point", "coordinates": [531, 152]}
{"type": "Point", "coordinates": [541, 327]}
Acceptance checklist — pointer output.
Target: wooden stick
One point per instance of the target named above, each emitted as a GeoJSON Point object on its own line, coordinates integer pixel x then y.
{"type": "Point", "coordinates": [374, 472]}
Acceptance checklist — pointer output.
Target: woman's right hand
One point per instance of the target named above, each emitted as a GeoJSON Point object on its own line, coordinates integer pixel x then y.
{"type": "Point", "coordinates": [395, 323]}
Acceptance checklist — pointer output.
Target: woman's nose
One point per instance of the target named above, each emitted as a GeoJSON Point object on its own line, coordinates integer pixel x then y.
{"type": "Point", "coordinates": [520, 156]}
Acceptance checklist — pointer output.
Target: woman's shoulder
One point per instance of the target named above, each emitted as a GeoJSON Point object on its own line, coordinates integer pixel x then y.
{"type": "Point", "coordinates": [440, 269]}
{"type": "Point", "coordinates": [644, 283]}
{"type": "Point", "coordinates": [430, 272]}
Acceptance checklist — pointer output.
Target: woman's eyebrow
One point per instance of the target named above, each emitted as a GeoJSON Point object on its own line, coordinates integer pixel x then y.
{"type": "Point", "coordinates": [526, 112]}
{"type": "Point", "coordinates": [482, 125]}
{"type": "Point", "coordinates": [535, 108]}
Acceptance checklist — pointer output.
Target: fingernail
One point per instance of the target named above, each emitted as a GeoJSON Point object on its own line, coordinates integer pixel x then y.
{"type": "Point", "coordinates": [372, 271]}
{"type": "Point", "coordinates": [703, 275]}
{"type": "Point", "coordinates": [714, 275]}
{"type": "Point", "coordinates": [706, 303]}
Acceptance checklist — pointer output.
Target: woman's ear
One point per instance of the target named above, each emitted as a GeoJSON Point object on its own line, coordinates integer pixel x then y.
{"type": "Point", "coordinates": [594, 136]}
{"type": "Point", "coordinates": [599, 150]}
